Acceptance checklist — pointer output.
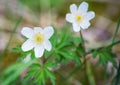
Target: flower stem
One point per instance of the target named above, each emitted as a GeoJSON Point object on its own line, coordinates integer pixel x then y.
{"type": "Point", "coordinates": [88, 74]}
{"type": "Point", "coordinates": [116, 31]}
{"type": "Point", "coordinates": [118, 75]}
{"type": "Point", "coordinates": [81, 36]}
{"type": "Point", "coordinates": [83, 45]}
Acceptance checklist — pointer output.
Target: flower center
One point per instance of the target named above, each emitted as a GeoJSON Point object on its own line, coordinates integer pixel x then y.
{"type": "Point", "coordinates": [38, 38]}
{"type": "Point", "coordinates": [78, 18]}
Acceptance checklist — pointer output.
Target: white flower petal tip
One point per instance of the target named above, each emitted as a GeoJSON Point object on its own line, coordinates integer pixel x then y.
{"type": "Point", "coordinates": [37, 29]}
{"type": "Point", "coordinates": [69, 18]}
{"type": "Point", "coordinates": [39, 50]}
{"type": "Point", "coordinates": [90, 15]}
{"type": "Point", "coordinates": [39, 41]}
{"type": "Point", "coordinates": [49, 31]}
{"type": "Point", "coordinates": [27, 58]}
{"type": "Point", "coordinates": [83, 7]}
{"type": "Point", "coordinates": [76, 28]}
{"type": "Point", "coordinates": [80, 16]}
{"type": "Point", "coordinates": [48, 45]}
{"type": "Point", "coordinates": [28, 45]}
{"type": "Point", "coordinates": [27, 32]}
{"type": "Point", "coordinates": [73, 8]}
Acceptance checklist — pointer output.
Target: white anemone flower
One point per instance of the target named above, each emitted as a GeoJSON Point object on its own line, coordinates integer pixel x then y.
{"type": "Point", "coordinates": [38, 39]}
{"type": "Point", "coordinates": [80, 16]}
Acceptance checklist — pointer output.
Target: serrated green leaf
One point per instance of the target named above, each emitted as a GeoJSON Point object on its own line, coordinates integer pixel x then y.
{"type": "Point", "coordinates": [35, 66]}
{"type": "Point", "coordinates": [76, 58]}
{"type": "Point", "coordinates": [77, 40]}
{"type": "Point", "coordinates": [17, 49]}
{"type": "Point", "coordinates": [103, 59]}
{"type": "Point", "coordinates": [65, 54]}
{"type": "Point", "coordinates": [43, 77]}
{"type": "Point", "coordinates": [95, 53]}
{"type": "Point", "coordinates": [80, 50]}
{"type": "Point", "coordinates": [50, 75]}
{"type": "Point", "coordinates": [15, 72]}
{"type": "Point", "coordinates": [30, 74]}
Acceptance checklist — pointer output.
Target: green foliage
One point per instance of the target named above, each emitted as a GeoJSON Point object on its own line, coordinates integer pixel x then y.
{"type": "Point", "coordinates": [13, 72]}
{"type": "Point", "coordinates": [40, 74]}
{"type": "Point", "coordinates": [105, 55]}
{"type": "Point", "coordinates": [65, 48]}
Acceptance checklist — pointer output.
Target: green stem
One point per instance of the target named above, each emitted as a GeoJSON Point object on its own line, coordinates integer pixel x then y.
{"type": "Point", "coordinates": [114, 43]}
{"type": "Point", "coordinates": [90, 75]}
{"type": "Point", "coordinates": [81, 36]}
{"type": "Point", "coordinates": [14, 30]}
{"type": "Point", "coordinates": [118, 75]}
{"type": "Point", "coordinates": [83, 45]}
{"type": "Point", "coordinates": [98, 49]}
{"type": "Point", "coordinates": [116, 31]}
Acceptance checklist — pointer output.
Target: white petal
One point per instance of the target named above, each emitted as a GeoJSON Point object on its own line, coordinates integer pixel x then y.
{"type": "Point", "coordinates": [90, 15]}
{"type": "Point", "coordinates": [27, 32]}
{"type": "Point", "coordinates": [47, 45]}
{"type": "Point", "coordinates": [39, 50]}
{"type": "Point", "coordinates": [83, 7]}
{"type": "Point", "coordinates": [27, 58]}
{"type": "Point", "coordinates": [73, 8]}
{"type": "Point", "coordinates": [76, 27]}
{"type": "Point", "coordinates": [48, 32]}
{"type": "Point", "coordinates": [38, 29]}
{"type": "Point", "coordinates": [69, 17]}
{"type": "Point", "coordinates": [28, 45]}
{"type": "Point", "coordinates": [85, 24]}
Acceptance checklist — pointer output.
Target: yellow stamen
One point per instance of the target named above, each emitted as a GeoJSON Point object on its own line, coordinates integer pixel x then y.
{"type": "Point", "coordinates": [38, 38]}
{"type": "Point", "coordinates": [78, 18]}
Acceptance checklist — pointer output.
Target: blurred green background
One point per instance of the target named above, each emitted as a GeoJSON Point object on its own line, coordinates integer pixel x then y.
{"type": "Point", "coordinates": [31, 13]}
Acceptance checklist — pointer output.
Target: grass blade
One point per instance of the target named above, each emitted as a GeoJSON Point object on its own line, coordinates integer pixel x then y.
{"type": "Point", "coordinates": [116, 31]}
{"type": "Point", "coordinates": [14, 30]}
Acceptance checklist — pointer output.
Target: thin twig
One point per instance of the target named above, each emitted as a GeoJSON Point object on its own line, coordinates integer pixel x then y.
{"type": "Point", "coordinates": [98, 49]}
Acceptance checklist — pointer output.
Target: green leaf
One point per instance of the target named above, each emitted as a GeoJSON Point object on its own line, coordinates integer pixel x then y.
{"type": "Point", "coordinates": [76, 58]}
{"type": "Point", "coordinates": [41, 77]}
{"type": "Point", "coordinates": [95, 53]}
{"type": "Point", "coordinates": [64, 38]}
{"type": "Point", "coordinates": [35, 66]}
{"type": "Point", "coordinates": [50, 75]}
{"type": "Point", "coordinates": [17, 49]}
{"type": "Point", "coordinates": [106, 56]}
{"type": "Point", "coordinates": [12, 72]}
{"type": "Point", "coordinates": [103, 59]}
{"type": "Point", "coordinates": [65, 54]}
{"type": "Point", "coordinates": [77, 40]}
{"type": "Point", "coordinates": [80, 50]}
{"type": "Point", "coordinates": [30, 74]}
